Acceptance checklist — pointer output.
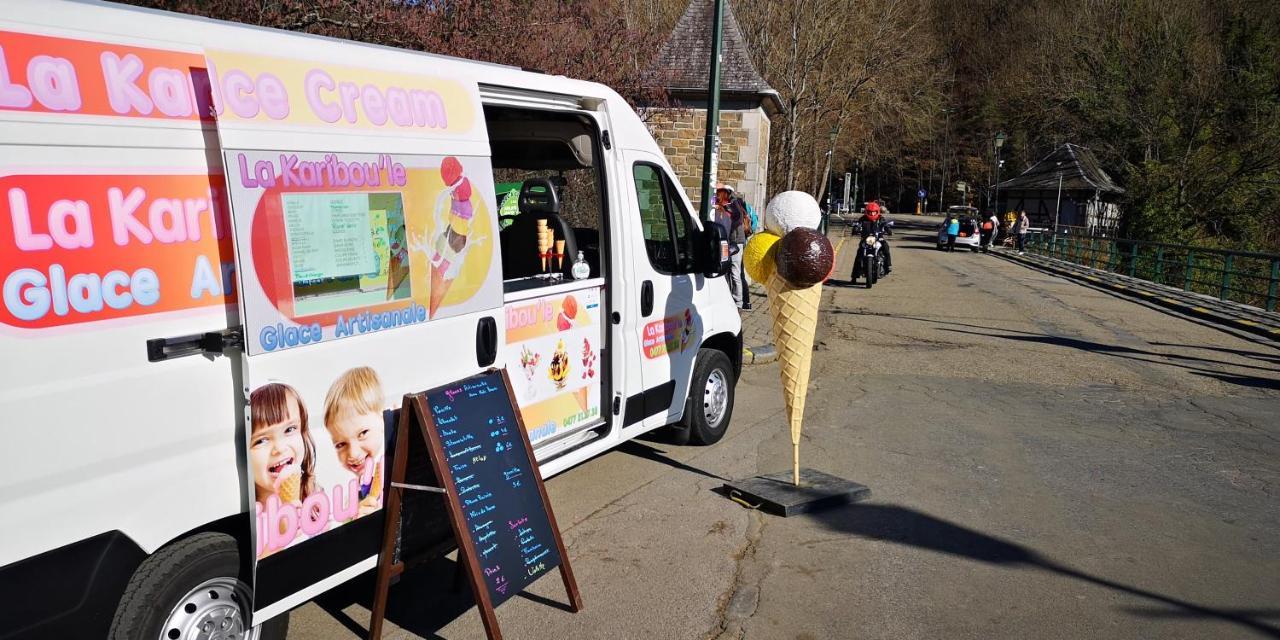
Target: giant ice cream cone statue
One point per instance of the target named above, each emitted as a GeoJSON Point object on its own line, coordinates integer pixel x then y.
{"type": "Point", "coordinates": [792, 259]}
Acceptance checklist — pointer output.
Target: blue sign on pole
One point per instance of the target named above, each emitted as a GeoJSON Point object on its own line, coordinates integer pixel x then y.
{"type": "Point", "coordinates": [921, 194]}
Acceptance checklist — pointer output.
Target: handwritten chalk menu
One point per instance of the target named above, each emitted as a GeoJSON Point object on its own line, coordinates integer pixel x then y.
{"type": "Point", "coordinates": [494, 480]}
{"type": "Point", "coordinates": [329, 235]}
{"type": "Point", "coordinates": [498, 508]}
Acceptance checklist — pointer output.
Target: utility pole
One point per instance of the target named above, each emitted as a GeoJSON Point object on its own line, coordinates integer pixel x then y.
{"type": "Point", "coordinates": [711, 142]}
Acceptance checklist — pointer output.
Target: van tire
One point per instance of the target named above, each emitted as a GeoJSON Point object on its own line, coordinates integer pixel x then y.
{"type": "Point", "coordinates": [163, 580]}
{"type": "Point", "coordinates": [710, 391]}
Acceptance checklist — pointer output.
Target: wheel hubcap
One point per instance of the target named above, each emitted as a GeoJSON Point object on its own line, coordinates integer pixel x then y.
{"type": "Point", "coordinates": [715, 398]}
{"type": "Point", "coordinates": [212, 611]}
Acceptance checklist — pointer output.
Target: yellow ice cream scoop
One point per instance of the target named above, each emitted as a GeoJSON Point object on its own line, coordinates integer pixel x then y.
{"type": "Point", "coordinates": [758, 256]}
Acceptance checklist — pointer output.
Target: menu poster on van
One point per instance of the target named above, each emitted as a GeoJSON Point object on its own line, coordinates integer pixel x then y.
{"type": "Point", "coordinates": [344, 244]}
{"type": "Point", "coordinates": [558, 340]}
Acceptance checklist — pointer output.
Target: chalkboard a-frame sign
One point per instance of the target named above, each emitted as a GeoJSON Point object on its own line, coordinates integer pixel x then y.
{"type": "Point", "coordinates": [507, 535]}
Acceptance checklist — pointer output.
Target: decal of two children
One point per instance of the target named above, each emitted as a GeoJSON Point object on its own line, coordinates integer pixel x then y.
{"type": "Point", "coordinates": [283, 458]}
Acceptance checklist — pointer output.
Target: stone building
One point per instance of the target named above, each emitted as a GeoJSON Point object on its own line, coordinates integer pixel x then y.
{"type": "Point", "coordinates": [746, 104]}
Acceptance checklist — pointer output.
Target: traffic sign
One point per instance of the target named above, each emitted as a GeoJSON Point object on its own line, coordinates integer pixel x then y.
{"type": "Point", "coordinates": [921, 194]}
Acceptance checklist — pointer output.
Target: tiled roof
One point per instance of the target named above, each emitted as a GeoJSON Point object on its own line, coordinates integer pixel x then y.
{"type": "Point", "coordinates": [1079, 167]}
{"type": "Point", "coordinates": [683, 61]}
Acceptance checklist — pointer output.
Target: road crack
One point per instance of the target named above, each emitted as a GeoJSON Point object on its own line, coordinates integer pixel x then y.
{"type": "Point", "coordinates": [742, 599]}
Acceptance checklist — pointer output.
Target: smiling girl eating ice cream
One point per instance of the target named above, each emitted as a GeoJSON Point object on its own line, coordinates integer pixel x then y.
{"type": "Point", "coordinates": [280, 450]}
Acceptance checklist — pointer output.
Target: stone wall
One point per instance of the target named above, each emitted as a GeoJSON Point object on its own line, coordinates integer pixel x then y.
{"type": "Point", "coordinates": [744, 149]}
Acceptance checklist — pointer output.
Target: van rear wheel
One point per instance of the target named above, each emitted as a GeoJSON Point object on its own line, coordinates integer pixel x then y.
{"type": "Point", "coordinates": [710, 404]}
{"type": "Point", "coordinates": [190, 589]}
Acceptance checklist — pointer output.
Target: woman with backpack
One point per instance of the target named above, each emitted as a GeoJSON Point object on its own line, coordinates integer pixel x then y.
{"type": "Point", "coordinates": [988, 231]}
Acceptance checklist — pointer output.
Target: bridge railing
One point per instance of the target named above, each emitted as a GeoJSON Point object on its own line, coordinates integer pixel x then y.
{"type": "Point", "coordinates": [1247, 278]}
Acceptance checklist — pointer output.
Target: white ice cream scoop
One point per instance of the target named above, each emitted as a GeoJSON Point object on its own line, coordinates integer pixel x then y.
{"type": "Point", "coordinates": [791, 209]}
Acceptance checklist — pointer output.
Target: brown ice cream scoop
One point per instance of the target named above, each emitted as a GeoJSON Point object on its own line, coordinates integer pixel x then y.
{"type": "Point", "coordinates": [804, 257]}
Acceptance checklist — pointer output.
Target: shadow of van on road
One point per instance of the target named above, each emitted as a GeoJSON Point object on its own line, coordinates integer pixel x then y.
{"type": "Point", "coordinates": [908, 527]}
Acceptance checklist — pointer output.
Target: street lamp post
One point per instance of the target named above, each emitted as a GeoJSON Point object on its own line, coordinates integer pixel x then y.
{"type": "Point", "coordinates": [946, 146]}
{"type": "Point", "coordinates": [999, 143]}
{"type": "Point", "coordinates": [711, 141]}
{"type": "Point", "coordinates": [857, 166]}
{"type": "Point", "coordinates": [1057, 208]}
{"type": "Point", "coordinates": [831, 180]}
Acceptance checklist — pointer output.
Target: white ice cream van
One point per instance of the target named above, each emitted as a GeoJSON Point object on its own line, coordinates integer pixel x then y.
{"type": "Point", "coordinates": [228, 252]}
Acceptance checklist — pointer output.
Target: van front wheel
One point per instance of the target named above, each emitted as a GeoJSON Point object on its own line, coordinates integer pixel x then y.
{"type": "Point", "coordinates": [189, 589]}
{"type": "Point", "coordinates": [710, 404]}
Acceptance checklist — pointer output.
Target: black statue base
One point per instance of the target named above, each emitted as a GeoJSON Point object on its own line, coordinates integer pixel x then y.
{"type": "Point", "coordinates": [776, 494]}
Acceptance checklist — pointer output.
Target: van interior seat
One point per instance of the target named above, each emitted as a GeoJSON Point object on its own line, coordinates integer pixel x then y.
{"type": "Point", "coordinates": [538, 201]}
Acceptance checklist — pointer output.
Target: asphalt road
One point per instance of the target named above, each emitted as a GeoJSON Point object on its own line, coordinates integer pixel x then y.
{"type": "Point", "coordinates": [1046, 460]}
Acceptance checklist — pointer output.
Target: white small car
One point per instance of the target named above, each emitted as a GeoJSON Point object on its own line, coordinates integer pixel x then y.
{"type": "Point", "coordinates": [970, 232]}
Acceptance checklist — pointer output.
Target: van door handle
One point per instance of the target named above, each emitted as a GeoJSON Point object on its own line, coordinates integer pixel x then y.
{"type": "Point", "coordinates": [646, 298]}
{"type": "Point", "coordinates": [210, 342]}
{"type": "Point", "coordinates": [486, 341]}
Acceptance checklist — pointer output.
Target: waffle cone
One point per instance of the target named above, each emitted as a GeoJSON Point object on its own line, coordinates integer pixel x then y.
{"type": "Point", "coordinates": [396, 273]}
{"type": "Point", "coordinates": [795, 320]}
{"type": "Point", "coordinates": [439, 287]}
{"type": "Point", "coordinates": [290, 487]}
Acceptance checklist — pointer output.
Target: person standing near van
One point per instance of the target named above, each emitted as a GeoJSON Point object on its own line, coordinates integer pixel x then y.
{"type": "Point", "coordinates": [953, 230]}
{"type": "Point", "coordinates": [1021, 228]}
{"type": "Point", "coordinates": [730, 212]}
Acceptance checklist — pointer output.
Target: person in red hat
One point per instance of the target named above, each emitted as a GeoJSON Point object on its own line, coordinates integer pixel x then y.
{"type": "Point", "coordinates": [872, 222]}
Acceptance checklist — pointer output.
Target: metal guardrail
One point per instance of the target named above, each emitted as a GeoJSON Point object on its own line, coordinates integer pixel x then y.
{"type": "Point", "coordinates": [1247, 278]}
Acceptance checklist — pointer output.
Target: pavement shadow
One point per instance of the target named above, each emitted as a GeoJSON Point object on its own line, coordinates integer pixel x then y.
{"type": "Point", "coordinates": [642, 450]}
{"type": "Point", "coordinates": [1254, 355]}
{"type": "Point", "coordinates": [430, 582]}
{"type": "Point", "coordinates": [1122, 294]}
{"type": "Point", "coordinates": [1253, 382]}
{"type": "Point", "coordinates": [1186, 362]}
{"type": "Point", "coordinates": [908, 527]}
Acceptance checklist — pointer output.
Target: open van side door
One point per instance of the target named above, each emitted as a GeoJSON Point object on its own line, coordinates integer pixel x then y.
{"type": "Point", "coordinates": [365, 227]}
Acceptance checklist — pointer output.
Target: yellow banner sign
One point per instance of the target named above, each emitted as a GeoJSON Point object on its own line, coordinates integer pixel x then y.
{"type": "Point", "coordinates": [250, 88]}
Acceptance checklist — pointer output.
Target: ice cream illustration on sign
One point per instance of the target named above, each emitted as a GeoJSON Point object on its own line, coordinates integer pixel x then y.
{"type": "Point", "coordinates": [793, 259]}
{"type": "Point", "coordinates": [558, 369]}
{"type": "Point", "coordinates": [453, 215]}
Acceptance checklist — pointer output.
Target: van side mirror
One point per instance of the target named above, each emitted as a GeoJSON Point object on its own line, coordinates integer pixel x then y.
{"type": "Point", "coordinates": [713, 250]}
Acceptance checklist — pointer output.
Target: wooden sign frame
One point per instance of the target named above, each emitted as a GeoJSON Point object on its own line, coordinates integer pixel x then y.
{"type": "Point", "coordinates": [415, 413]}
